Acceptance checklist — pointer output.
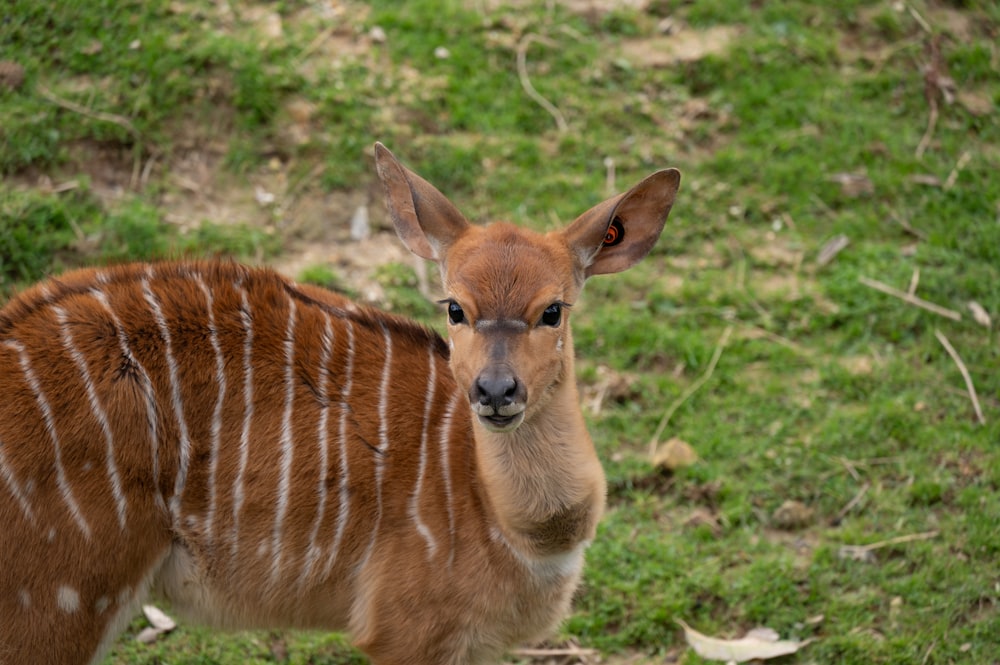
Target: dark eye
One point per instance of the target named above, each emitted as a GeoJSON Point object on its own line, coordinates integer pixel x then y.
{"type": "Point", "coordinates": [552, 315]}
{"type": "Point", "coordinates": [455, 313]}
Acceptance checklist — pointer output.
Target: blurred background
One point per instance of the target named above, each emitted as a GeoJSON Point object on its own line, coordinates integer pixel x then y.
{"type": "Point", "coordinates": [796, 396]}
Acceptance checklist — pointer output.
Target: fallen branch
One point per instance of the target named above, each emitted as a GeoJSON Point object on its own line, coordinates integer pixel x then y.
{"type": "Point", "coordinates": [911, 299]}
{"type": "Point", "coordinates": [692, 389]}
{"type": "Point", "coordinates": [965, 375]}
{"type": "Point", "coordinates": [522, 74]}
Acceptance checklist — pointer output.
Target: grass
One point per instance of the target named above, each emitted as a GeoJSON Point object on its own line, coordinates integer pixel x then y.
{"type": "Point", "coordinates": [803, 126]}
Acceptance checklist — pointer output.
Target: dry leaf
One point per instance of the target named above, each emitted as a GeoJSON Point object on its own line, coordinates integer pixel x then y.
{"type": "Point", "coordinates": [160, 624]}
{"type": "Point", "coordinates": [980, 315]}
{"type": "Point", "coordinates": [674, 454]}
{"type": "Point", "coordinates": [853, 185]}
{"type": "Point", "coordinates": [158, 618]}
{"type": "Point", "coordinates": [758, 644]}
{"type": "Point", "coordinates": [976, 103]}
{"type": "Point", "coordinates": [148, 635]}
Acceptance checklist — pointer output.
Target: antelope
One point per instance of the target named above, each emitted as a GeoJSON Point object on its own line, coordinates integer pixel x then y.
{"type": "Point", "coordinates": [262, 453]}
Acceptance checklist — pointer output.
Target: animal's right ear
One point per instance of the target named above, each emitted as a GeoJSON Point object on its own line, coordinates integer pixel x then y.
{"type": "Point", "coordinates": [425, 220]}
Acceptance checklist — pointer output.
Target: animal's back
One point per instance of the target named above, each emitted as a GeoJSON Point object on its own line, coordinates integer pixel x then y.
{"type": "Point", "coordinates": [216, 428]}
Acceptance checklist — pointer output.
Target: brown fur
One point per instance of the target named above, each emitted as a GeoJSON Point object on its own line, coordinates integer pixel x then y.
{"type": "Point", "coordinates": [129, 458]}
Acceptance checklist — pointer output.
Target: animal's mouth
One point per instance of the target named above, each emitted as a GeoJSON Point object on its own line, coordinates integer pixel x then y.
{"type": "Point", "coordinates": [499, 423]}
{"type": "Point", "coordinates": [505, 418]}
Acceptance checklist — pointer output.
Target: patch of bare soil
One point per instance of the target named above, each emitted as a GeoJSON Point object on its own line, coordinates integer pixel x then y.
{"type": "Point", "coordinates": [681, 44]}
{"type": "Point", "coordinates": [583, 7]}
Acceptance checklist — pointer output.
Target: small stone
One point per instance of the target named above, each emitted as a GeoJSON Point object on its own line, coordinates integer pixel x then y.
{"type": "Point", "coordinates": [792, 515]}
{"type": "Point", "coordinates": [675, 454]}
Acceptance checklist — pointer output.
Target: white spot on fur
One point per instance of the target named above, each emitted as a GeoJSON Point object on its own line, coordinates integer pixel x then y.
{"type": "Point", "coordinates": [68, 599]}
{"type": "Point", "coordinates": [25, 598]}
{"type": "Point", "coordinates": [102, 604]}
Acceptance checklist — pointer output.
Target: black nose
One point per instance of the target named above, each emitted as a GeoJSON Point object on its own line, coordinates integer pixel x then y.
{"type": "Point", "coordinates": [496, 387]}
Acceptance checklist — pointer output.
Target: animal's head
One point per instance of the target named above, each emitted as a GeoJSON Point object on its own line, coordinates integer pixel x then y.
{"type": "Point", "coordinates": [509, 291]}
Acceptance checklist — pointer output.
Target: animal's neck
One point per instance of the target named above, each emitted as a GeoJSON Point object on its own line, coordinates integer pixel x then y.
{"type": "Point", "coordinates": [544, 480]}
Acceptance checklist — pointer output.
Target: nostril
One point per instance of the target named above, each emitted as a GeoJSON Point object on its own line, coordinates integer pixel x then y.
{"type": "Point", "coordinates": [495, 388]}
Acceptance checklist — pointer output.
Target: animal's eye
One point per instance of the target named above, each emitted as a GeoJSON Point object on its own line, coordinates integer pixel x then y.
{"type": "Point", "coordinates": [455, 313]}
{"type": "Point", "coordinates": [552, 315]}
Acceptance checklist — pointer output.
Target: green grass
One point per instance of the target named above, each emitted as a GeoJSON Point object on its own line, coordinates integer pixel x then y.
{"type": "Point", "coordinates": [828, 392]}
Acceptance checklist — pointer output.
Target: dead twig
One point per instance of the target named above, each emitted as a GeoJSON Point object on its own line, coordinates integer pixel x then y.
{"type": "Point", "coordinates": [916, 233]}
{"type": "Point", "coordinates": [925, 140]}
{"type": "Point", "coordinates": [852, 503]}
{"type": "Point", "coordinates": [831, 248]}
{"type": "Point", "coordinates": [963, 160]}
{"type": "Point", "coordinates": [927, 654]}
{"type": "Point", "coordinates": [560, 652]}
{"type": "Point", "coordinates": [862, 552]}
{"type": "Point", "coordinates": [911, 299]}
{"type": "Point", "coordinates": [937, 84]}
{"type": "Point", "coordinates": [314, 44]}
{"type": "Point", "coordinates": [609, 176]}
{"type": "Point", "coordinates": [914, 282]}
{"type": "Point", "coordinates": [522, 74]}
{"type": "Point", "coordinates": [692, 389]}
{"type": "Point", "coordinates": [919, 19]}
{"type": "Point", "coordinates": [965, 375]}
{"type": "Point", "coordinates": [777, 339]}
{"type": "Point", "coordinates": [113, 118]}
{"type": "Point", "coordinates": [851, 468]}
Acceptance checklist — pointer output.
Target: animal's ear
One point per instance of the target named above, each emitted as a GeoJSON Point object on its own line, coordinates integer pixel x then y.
{"type": "Point", "coordinates": [616, 234]}
{"type": "Point", "coordinates": [426, 221]}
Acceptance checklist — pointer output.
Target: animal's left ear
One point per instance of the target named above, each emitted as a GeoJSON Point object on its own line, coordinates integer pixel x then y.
{"type": "Point", "coordinates": [616, 234]}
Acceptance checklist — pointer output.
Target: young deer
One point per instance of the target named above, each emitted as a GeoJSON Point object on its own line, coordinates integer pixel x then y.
{"type": "Point", "coordinates": [267, 454]}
